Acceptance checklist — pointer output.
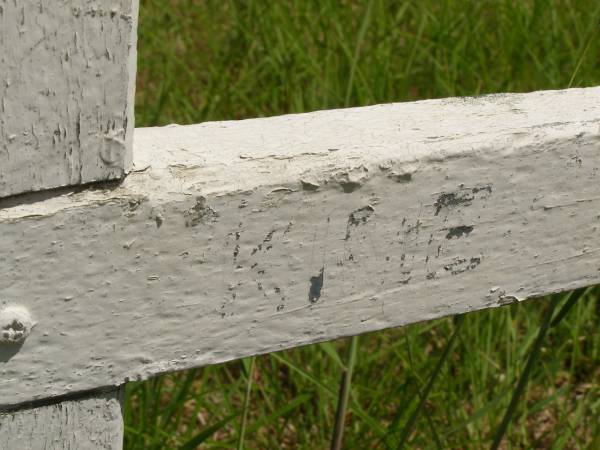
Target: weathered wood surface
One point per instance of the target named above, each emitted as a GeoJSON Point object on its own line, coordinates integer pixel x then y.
{"type": "Point", "coordinates": [237, 238]}
{"type": "Point", "coordinates": [67, 74]}
{"type": "Point", "coordinates": [90, 423]}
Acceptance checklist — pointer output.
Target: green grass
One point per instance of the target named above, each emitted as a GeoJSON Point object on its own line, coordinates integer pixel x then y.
{"type": "Point", "coordinates": [212, 60]}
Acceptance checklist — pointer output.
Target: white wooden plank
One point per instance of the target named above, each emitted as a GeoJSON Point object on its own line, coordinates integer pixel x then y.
{"type": "Point", "coordinates": [90, 423]}
{"type": "Point", "coordinates": [236, 238]}
{"type": "Point", "coordinates": [67, 74]}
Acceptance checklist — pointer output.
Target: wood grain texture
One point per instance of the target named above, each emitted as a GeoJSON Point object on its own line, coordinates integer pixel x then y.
{"type": "Point", "coordinates": [236, 238]}
{"type": "Point", "coordinates": [91, 423]}
{"type": "Point", "coordinates": [67, 74]}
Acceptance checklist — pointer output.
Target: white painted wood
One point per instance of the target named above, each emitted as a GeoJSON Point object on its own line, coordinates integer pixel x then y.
{"type": "Point", "coordinates": [67, 74]}
{"type": "Point", "coordinates": [90, 423]}
{"type": "Point", "coordinates": [237, 238]}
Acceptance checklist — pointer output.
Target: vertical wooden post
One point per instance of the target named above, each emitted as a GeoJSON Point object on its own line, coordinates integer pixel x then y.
{"type": "Point", "coordinates": [67, 74]}
{"type": "Point", "coordinates": [94, 422]}
{"type": "Point", "coordinates": [67, 83]}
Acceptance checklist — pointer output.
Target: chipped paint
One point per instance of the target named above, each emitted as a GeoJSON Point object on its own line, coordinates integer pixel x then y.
{"type": "Point", "coordinates": [463, 196]}
{"type": "Point", "coordinates": [200, 213]}
{"type": "Point", "coordinates": [460, 265]}
{"type": "Point", "coordinates": [358, 217]}
{"type": "Point", "coordinates": [316, 285]}
{"type": "Point", "coordinates": [459, 231]}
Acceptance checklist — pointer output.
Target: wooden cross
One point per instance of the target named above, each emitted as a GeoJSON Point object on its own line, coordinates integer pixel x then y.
{"type": "Point", "coordinates": [227, 239]}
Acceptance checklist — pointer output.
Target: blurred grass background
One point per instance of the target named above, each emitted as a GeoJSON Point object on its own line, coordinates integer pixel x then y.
{"type": "Point", "coordinates": [211, 60]}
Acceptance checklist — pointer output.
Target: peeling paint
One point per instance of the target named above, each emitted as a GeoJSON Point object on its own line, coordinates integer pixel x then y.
{"type": "Point", "coordinates": [460, 265]}
{"type": "Point", "coordinates": [401, 177]}
{"type": "Point", "coordinates": [361, 215]}
{"type": "Point", "coordinates": [316, 285]}
{"type": "Point", "coordinates": [200, 213]}
{"type": "Point", "coordinates": [309, 185]}
{"type": "Point", "coordinates": [449, 199]}
{"type": "Point", "coordinates": [458, 232]}
{"type": "Point", "coordinates": [507, 300]}
{"type": "Point", "coordinates": [350, 186]}
{"type": "Point", "coordinates": [358, 217]}
{"type": "Point", "coordinates": [352, 180]}
{"type": "Point", "coordinates": [463, 196]}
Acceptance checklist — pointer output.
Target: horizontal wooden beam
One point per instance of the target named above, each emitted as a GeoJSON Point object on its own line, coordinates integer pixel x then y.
{"type": "Point", "coordinates": [67, 82]}
{"type": "Point", "coordinates": [237, 238]}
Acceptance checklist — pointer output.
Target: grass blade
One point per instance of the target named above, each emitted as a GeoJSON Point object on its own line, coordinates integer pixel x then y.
{"type": "Point", "coordinates": [250, 374]}
{"type": "Point", "coordinates": [357, 48]}
{"type": "Point", "coordinates": [354, 406]}
{"type": "Point", "coordinates": [344, 394]}
{"type": "Point", "coordinates": [205, 434]}
{"type": "Point", "coordinates": [408, 428]}
{"type": "Point", "coordinates": [593, 31]}
{"type": "Point", "coordinates": [330, 350]}
{"type": "Point", "coordinates": [518, 392]}
{"type": "Point", "coordinates": [278, 413]}
{"type": "Point", "coordinates": [436, 438]}
{"type": "Point", "coordinates": [182, 391]}
{"type": "Point", "coordinates": [572, 298]}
